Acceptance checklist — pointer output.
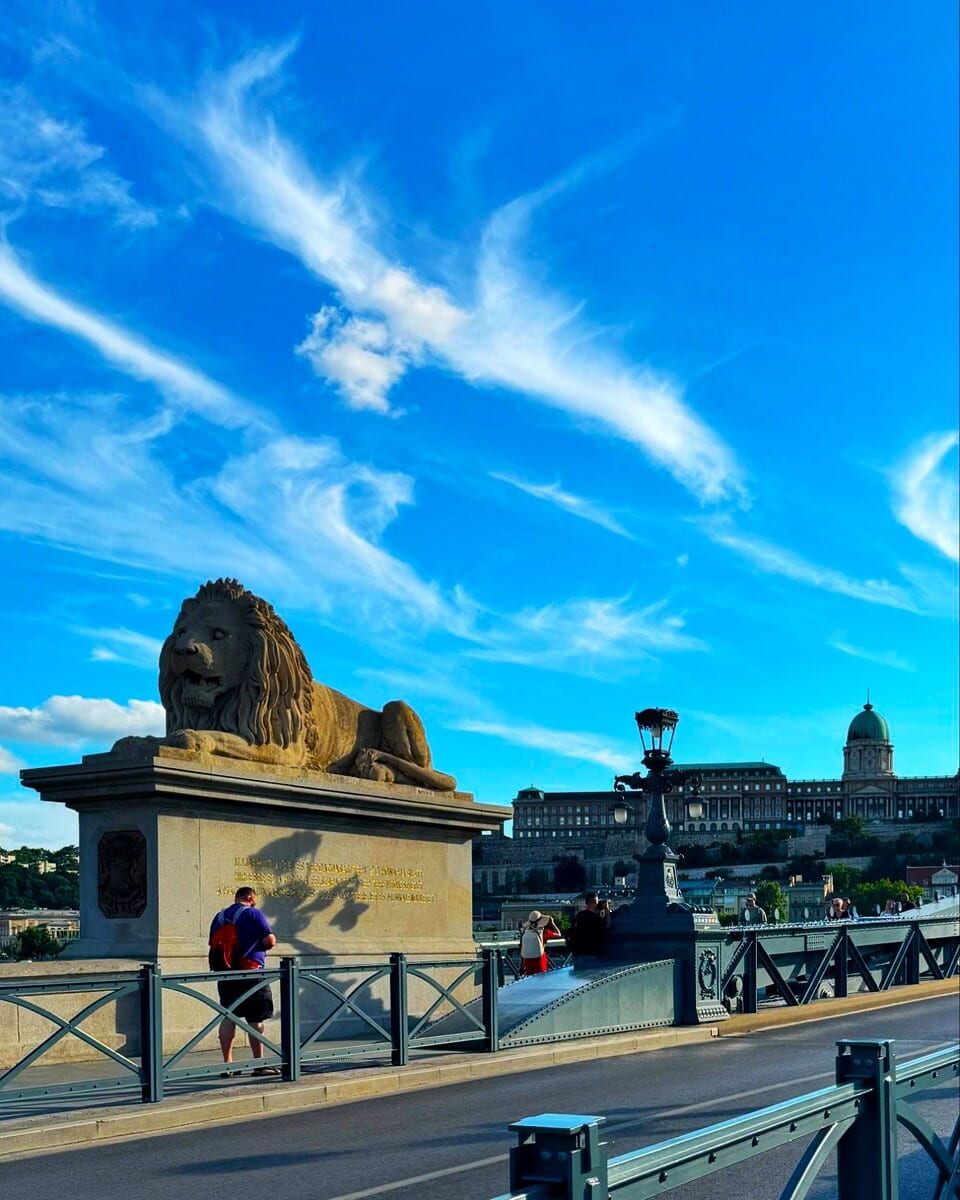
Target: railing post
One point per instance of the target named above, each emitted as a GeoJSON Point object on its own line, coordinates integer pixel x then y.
{"type": "Point", "coordinates": [867, 1152]}
{"type": "Point", "coordinates": [151, 1033]}
{"type": "Point", "coordinates": [750, 972]}
{"type": "Point", "coordinates": [290, 1019]}
{"type": "Point", "coordinates": [911, 967]}
{"type": "Point", "coordinates": [399, 1026]}
{"type": "Point", "coordinates": [562, 1151]}
{"type": "Point", "coordinates": [492, 974]}
{"type": "Point", "coordinates": [841, 958]}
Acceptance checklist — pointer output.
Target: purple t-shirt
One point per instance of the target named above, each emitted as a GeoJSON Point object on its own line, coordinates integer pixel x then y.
{"type": "Point", "coordinates": [252, 928]}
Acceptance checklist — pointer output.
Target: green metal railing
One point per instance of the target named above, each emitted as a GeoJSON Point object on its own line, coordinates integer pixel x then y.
{"type": "Point", "coordinates": [392, 1008]}
{"type": "Point", "coordinates": [327, 1013]}
{"type": "Point", "coordinates": [800, 964]}
{"type": "Point", "coordinates": [561, 1157]}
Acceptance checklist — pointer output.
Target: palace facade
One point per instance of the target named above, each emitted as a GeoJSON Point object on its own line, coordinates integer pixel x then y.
{"type": "Point", "coordinates": [751, 796]}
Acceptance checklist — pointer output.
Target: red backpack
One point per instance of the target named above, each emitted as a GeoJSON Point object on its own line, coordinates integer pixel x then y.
{"type": "Point", "coordinates": [224, 953]}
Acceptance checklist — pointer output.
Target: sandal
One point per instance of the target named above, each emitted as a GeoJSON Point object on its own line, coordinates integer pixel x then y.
{"type": "Point", "coordinates": [267, 1071]}
{"type": "Point", "coordinates": [230, 1074]}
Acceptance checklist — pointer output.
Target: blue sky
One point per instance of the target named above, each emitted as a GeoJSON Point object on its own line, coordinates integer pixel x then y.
{"type": "Point", "coordinates": [537, 365]}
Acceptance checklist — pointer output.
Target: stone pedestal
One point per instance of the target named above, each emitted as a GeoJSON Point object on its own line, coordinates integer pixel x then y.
{"type": "Point", "coordinates": [658, 923]}
{"type": "Point", "coordinates": [344, 868]}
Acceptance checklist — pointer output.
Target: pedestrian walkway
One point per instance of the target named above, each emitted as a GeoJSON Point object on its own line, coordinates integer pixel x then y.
{"type": "Point", "coordinates": [203, 1102]}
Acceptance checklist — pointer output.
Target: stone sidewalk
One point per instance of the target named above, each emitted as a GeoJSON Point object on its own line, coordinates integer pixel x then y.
{"type": "Point", "coordinates": [22, 1135]}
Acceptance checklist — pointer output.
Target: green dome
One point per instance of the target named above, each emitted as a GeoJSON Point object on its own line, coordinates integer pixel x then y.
{"type": "Point", "coordinates": [868, 725]}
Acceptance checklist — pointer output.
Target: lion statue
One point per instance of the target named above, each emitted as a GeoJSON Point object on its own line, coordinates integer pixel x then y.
{"type": "Point", "coordinates": [233, 681]}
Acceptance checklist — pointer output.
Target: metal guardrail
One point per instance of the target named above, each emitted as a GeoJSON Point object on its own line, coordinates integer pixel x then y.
{"type": "Point", "coordinates": [560, 1156]}
{"type": "Point", "coordinates": [800, 964]}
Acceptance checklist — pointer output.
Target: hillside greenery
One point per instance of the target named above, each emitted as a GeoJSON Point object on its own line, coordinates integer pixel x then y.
{"type": "Point", "coordinates": [22, 885]}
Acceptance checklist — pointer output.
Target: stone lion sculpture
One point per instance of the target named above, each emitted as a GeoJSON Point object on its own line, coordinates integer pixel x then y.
{"type": "Point", "coordinates": [234, 681]}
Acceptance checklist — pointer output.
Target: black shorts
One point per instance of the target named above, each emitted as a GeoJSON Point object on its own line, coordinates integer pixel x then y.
{"type": "Point", "coordinates": [256, 1008]}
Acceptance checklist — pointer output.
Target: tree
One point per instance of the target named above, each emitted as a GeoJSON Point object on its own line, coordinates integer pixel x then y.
{"type": "Point", "coordinates": [851, 828]}
{"type": "Point", "coordinates": [772, 899]}
{"type": "Point", "coordinates": [36, 941]}
{"type": "Point", "coordinates": [538, 879]}
{"type": "Point", "coordinates": [845, 878]}
{"type": "Point", "coordinates": [869, 896]}
{"type": "Point", "coordinates": [569, 874]}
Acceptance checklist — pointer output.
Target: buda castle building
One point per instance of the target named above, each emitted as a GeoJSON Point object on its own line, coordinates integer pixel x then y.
{"type": "Point", "coordinates": [749, 796]}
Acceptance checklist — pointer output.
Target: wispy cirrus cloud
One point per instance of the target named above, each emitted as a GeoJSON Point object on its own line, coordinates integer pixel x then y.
{"type": "Point", "coordinates": [582, 636]}
{"type": "Point", "coordinates": [585, 747]}
{"type": "Point", "coordinates": [292, 516]}
{"type": "Point", "coordinates": [123, 646]}
{"type": "Point", "coordinates": [80, 721]}
{"type": "Point", "coordinates": [502, 330]}
{"type": "Point", "coordinates": [181, 385]}
{"type": "Point", "coordinates": [883, 658]}
{"type": "Point", "coordinates": [9, 763]}
{"type": "Point", "coordinates": [50, 160]}
{"type": "Point", "coordinates": [925, 488]}
{"type": "Point", "coordinates": [777, 560]}
{"type": "Point", "coordinates": [553, 493]}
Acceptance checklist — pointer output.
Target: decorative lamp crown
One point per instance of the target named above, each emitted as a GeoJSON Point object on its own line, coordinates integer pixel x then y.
{"type": "Point", "coordinates": [654, 725]}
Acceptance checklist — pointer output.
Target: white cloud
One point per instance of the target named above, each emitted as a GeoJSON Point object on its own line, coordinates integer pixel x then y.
{"type": "Point", "coordinates": [925, 493]}
{"type": "Point", "coordinates": [581, 635]}
{"type": "Point", "coordinates": [180, 384]}
{"type": "Point", "coordinates": [512, 334]}
{"type": "Point", "coordinates": [292, 517]}
{"type": "Point", "coordinates": [52, 161]}
{"type": "Point", "coordinates": [776, 560]}
{"type": "Point", "coordinates": [584, 747]}
{"type": "Point", "coordinates": [9, 763]}
{"type": "Point", "coordinates": [883, 658]}
{"type": "Point", "coordinates": [358, 357]}
{"type": "Point", "coordinates": [124, 646]}
{"type": "Point", "coordinates": [78, 721]}
{"type": "Point", "coordinates": [29, 822]}
{"type": "Point", "coordinates": [554, 494]}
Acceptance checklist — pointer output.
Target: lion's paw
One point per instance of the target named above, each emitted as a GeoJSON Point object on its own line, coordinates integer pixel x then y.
{"type": "Point", "coordinates": [196, 740]}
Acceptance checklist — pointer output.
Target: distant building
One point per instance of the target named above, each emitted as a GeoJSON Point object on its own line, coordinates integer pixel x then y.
{"type": "Point", "coordinates": [935, 881]}
{"type": "Point", "coordinates": [869, 788]}
{"type": "Point", "coordinates": [63, 923]}
{"type": "Point", "coordinates": [750, 796]}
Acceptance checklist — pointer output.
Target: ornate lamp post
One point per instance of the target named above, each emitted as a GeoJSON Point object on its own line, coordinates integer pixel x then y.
{"type": "Point", "coordinates": [656, 726]}
{"type": "Point", "coordinates": [659, 923]}
{"type": "Point", "coordinates": [657, 894]}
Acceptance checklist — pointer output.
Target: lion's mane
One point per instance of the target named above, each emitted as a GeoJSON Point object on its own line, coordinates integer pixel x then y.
{"type": "Point", "coordinates": [273, 703]}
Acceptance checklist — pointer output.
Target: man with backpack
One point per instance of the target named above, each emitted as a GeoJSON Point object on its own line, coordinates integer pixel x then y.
{"type": "Point", "coordinates": [240, 936]}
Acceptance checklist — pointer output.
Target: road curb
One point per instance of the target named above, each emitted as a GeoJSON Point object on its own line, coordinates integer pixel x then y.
{"type": "Point", "coordinates": [823, 1010]}
{"type": "Point", "coordinates": [63, 1132]}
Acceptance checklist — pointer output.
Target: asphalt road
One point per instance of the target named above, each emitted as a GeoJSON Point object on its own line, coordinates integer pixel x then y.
{"type": "Point", "coordinates": [451, 1143]}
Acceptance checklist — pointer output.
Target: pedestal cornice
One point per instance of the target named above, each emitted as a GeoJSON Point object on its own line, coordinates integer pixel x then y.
{"type": "Point", "coordinates": [177, 778]}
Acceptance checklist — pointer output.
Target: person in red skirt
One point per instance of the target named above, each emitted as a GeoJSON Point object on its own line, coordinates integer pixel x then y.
{"type": "Point", "coordinates": [535, 932]}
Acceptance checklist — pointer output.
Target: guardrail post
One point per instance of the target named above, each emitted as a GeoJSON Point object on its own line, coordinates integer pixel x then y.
{"type": "Point", "coordinates": [151, 1033]}
{"type": "Point", "coordinates": [492, 975]}
{"type": "Point", "coordinates": [840, 961]}
{"type": "Point", "coordinates": [399, 1026]}
{"type": "Point", "coordinates": [911, 968]}
{"type": "Point", "coordinates": [750, 972]}
{"type": "Point", "coordinates": [564, 1152]}
{"type": "Point", "coordinates": [867, 1152]}
{"type": "Point", "coordinates": [290, 1019]}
